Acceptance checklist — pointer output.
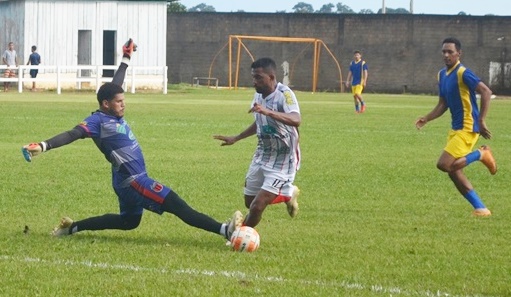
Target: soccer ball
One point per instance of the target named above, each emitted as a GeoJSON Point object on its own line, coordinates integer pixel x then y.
{"type": "Point", "coordinates": [245, 239]}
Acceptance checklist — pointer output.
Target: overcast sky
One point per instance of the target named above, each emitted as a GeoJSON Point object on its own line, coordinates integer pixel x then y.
{"type": "Point", "coordinates": [471, 7]}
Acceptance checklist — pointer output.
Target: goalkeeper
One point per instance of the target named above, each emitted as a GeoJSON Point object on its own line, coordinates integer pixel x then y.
{"type": "Point", "coordinates": [135, 189]}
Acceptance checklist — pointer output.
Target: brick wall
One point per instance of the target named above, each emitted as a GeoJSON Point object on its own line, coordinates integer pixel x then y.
{"type": "Point", "coordinates": [402, 51]}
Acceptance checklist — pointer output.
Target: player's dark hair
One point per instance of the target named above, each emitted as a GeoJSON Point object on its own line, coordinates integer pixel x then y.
{"type": "Point", "coordinates": [265, 63]}
{"type": "Point", "coordinates": [357, 52]}
{"type": "Point", "coordinates": [108, 92]}
{"type": "Point", "coordinates": [34, 47]}
{"type": "Point", "coordinates": [456, 42]}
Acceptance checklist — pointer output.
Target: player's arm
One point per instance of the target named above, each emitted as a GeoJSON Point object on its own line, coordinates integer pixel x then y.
{"type": "Point", "coordinates": [127, 49]}
{"type": "Point", "coordinates": [485, 104]}
{"type": "Point", "coordinates": [437, 111]}
{"type": "Point", "coordinates": [366, 74]}
{"type": "Point", "coordinates": [348, 79]}
{"type": "Point", "coordinates": [292, 118]}
{"type": "Point", "coordinates": [229, 140]}
{"type": "Point", "coordinates": [34, 149]}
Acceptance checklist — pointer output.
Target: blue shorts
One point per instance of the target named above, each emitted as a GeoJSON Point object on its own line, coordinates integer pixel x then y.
{"type": "Point", "coordinates": [143, 193]}
{"type": "Point", "coordinates": [33, 73]}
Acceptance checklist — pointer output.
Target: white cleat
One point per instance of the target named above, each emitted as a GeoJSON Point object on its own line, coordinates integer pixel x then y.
{"type": "Point", "coordinates": [235, 222]}
{"type": "Point", "coordinates": [63, 228]}
{"type": "Point", "coordinates": [292, 205]}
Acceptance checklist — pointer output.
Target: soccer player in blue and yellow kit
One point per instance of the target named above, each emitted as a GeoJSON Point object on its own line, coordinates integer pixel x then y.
{"type": "Point", "coordinates": [357, 77]}
{"type": "Point", "coordinates": [135, 190]}
{"type": "Point", "coordinates": [457, 92]}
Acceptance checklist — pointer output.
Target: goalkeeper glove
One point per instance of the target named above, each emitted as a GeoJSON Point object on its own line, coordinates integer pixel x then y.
{"type": "Point", "coordinates": [32, 150]}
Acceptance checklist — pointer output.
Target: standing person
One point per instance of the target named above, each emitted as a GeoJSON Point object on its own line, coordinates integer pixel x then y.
{"type": "Point", "coordinates": [135, 190]}
{"type": "Point", "coordinates": [357, 77]}
{"type": "Point", "coordinates": [457, 92]}
{"type": "Point", "coordinates": [11, 60]}
{"type": "Point", "coordinates": [277, 157]}
{"type": "Point", "coordinates": [34, 59]}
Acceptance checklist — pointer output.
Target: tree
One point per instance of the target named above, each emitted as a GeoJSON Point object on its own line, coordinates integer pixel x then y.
{"type": "Point", "coordinates": [326, 8]}
{"type": "Point", "coordinates": [366, 11]}
{"type": "Point", "coordinates": [342, 8]}
{"type": "Point", "coordinates": [389, 10]}
{"type": "Point", "coordinates": [203, 7]}
{"type": "Point", "coordinates": [175, 6]}
{"type": "Point", "coordinates": [303, 7]}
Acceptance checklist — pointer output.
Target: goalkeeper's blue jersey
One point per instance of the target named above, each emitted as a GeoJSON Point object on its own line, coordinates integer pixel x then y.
{"type": "Point", "coordinates": [114, 138]}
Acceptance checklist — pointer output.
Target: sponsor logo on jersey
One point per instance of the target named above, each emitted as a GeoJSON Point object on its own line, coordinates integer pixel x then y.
{"type": "Point", "coordinates": [121, 129]}
{"type": "Point", "coordinates": [289, 98]}
{"type": "Point", "coordinates": [157, 187]}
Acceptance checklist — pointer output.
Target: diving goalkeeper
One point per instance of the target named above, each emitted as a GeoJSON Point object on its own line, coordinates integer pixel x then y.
{"type": "Point", "coordinates": [135, 189]}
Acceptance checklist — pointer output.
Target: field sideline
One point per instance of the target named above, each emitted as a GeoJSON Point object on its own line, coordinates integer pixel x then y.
{"type": "Point", "coordinates": [376, 216]}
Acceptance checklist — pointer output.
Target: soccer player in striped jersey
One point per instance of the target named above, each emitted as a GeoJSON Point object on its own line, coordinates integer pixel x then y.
{"type": "Point", "coordinates": [270, 177]}
{"type": "Point", "coordinates": [357, 77]}
{"type": "Point", "coordinates": [457, 92]}
{"type": "Point", "coordinates": [135, 190]}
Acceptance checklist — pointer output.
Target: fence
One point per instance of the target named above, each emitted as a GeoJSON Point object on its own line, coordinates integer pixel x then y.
{"type": "Point", "coordinates": [79, 75]}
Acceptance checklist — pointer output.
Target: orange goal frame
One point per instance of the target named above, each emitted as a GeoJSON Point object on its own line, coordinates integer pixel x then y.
{"type": "Point", "coordinates": [317, 43]}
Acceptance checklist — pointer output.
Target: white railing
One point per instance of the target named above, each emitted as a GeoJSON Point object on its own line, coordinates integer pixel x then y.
{"type": "Point", "coordinates": [61, 76]}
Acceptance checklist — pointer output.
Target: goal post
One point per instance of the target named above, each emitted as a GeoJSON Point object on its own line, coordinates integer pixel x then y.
{"type": "Point", "coordinates": [238, 40]}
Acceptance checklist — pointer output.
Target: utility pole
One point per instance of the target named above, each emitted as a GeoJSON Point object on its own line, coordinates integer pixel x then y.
{"type": "Point", "coordinates": [383, 10]}
{"type": "Point", "coordinates": [411, 6]}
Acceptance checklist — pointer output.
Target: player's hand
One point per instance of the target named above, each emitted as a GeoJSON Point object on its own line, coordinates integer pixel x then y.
{"type": "Point", "coordinates": [483, 130]}
{"type": "Point", "coordinates": [420, 123]}
{"type": "Point", "coordinates": [258, 108]}
{"type": "Point", "coordinates": [31, 150]}
{"type": "Point", "coordinates": [227, 140]}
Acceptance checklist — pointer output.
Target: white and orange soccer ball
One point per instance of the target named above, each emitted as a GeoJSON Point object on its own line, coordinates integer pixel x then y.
{"type": "Point", "coordinates": [245, 239]}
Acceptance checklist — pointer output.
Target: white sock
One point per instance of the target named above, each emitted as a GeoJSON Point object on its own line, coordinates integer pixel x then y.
{"type": "Point", "coordinates": [223, 229]}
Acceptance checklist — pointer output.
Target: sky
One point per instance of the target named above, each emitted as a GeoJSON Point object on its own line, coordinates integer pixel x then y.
{"type": "Point", "coordinates": [449, 7]}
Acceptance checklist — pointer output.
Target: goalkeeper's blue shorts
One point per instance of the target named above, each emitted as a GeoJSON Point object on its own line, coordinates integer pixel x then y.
{"type": "Point", "coordinates": [143, 193]}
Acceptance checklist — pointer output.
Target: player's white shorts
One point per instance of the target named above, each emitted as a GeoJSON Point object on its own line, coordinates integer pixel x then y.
{"type": "Point", "coordinates": [261, 177]}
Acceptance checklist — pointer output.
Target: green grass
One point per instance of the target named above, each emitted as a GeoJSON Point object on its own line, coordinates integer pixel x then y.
{"type": "Point", "coordinates": [376, 217]}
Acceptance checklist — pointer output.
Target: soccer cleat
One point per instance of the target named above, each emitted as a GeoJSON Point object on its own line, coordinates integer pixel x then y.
{"type": "Point", "coordinates": [292, 204]}
{"type": "Point", "coordinates": [63, 228]}
{"type": "Point", "coordinates": [487, 159]}
{"type": "Point", "coordinates": [233, 224]}
{"type": "Point", "coordinates": [481, 212]}
{"type": "Point", "coordinates": [129, 47]}
{"type": "Point", "coordinates": [363, 108]}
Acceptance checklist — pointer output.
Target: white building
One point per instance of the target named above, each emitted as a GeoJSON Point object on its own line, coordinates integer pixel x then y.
{"type": "Point", "coordinates": [85, 32]}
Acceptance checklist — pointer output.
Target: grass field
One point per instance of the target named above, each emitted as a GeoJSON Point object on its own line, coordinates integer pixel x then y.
{"type": "Point", "coordinates": [376, 216]}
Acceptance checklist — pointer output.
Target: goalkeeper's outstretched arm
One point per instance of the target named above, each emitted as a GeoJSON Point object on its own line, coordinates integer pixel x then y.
{"type": "Point", "coordinates": [34, 149]}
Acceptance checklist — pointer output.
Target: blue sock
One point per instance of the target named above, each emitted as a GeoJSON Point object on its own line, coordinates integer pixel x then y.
{"type": "Point", "coordinates": [362, 103]}
{"type": "Point", "coordinates": [474, 199]}
{"type": "Point", "coordinates": [473, 156]}
{"type": "Point", "coordinates": [356, 107]}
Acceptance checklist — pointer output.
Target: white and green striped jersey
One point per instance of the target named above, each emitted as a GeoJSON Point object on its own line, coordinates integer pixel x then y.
{"type": "Point", "coordinates": [278, 144]}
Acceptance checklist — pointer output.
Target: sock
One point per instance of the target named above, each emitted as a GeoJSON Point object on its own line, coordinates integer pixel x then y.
{"type": "Point", "coordinates": [356, 108]}
{"type": "Point", "coordinates": [473, 156]}
{"type": "Point", "coordinates": [362, 103]}
{"type": "Point", "coordinates": [280, 199]}
{"type": "Point", "coordinates": [474, 199]}
{"type": "Point", "coordinates": [223, 230]}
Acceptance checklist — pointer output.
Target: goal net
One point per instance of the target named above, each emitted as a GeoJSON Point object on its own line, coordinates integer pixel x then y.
{"type": "Point", "coordinates": [302, 61]}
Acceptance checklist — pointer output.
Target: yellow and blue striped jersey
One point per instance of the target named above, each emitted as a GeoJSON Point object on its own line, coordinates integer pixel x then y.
{"type": "Point", "coordinates": [457, 87]}
{"type": "Point", "coordinates": [357, 71]}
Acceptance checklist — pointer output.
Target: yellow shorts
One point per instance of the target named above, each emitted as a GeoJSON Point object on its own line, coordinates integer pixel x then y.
{"type": "Point", "coordinates": [460, 143]}
{"type": "Point", "coordinates": [357, 90]}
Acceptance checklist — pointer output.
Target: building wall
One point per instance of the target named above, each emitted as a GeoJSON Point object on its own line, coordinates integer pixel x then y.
{"type": "Point", "coordinates": [402, 51]}
{"type": "Point", "coordinates": [53, 26]}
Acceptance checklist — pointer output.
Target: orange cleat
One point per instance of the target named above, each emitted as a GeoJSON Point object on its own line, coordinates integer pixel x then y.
{"type": "Point", "coordinates": [487, 159]}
